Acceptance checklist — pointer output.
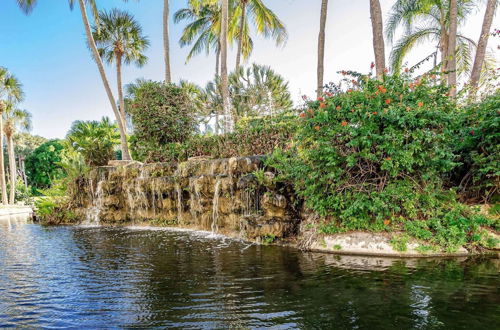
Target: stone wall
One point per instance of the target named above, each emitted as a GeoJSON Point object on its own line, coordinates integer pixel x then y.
{"type": "Point", "coordinates": [233, 196]}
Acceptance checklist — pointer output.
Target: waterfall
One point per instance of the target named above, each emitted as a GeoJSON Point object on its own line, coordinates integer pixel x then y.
{"type": "Point", "coordinates": [94, 211]}
{"type": "Point", "coordinates": [215, 206]}
{"type": "Point", "coordinates": [179, 202]}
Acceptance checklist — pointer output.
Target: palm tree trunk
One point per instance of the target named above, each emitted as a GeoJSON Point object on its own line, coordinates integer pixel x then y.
{"type": "Point", "coordinates": [452, 47]}
{"type": "Point", "coordinates": [224, 74]}
{"type": "Point", "coordinates": [121, 101]}
{"type": "Point", "coordinates": [321, 47]}
{"type": "Point", "coordinates": [482, 43]}
{"type": "Point", "coordinates": [378, 37]}
{"type": "Point", "coordinates": [100, 66]}
{"type": "Point", "coordinates": [217, 63]}
{"type": "Point", "coordinates": [12, 166]}
{"type": "Point", "coordinates": [3, 181]}
{"type": "Point", "coordinates": [166, 42]}
{"type": "Point", "coordinates": [242, 29]}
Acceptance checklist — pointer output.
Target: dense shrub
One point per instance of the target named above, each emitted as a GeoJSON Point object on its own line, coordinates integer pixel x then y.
{"type": "Point", "coordinates": [479, 150]}
{"type": "Point", "coordinates": [42, 166]}
{"type": "Point", "coordinates": [255, 136]}
{"type": "Point", "coordinates": [161, 114]}
{"type": "Point", "coordinates": [373, 157]}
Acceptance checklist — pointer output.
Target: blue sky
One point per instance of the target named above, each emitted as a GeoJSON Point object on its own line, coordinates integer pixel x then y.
{"type": "Point", "coordinates": [47, 52]}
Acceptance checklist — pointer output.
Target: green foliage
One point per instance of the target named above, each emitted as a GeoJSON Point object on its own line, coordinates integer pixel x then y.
{"type": "Point", "coordinates": [373, 158]}
{"type": "Point", "coordinates": [268, 239]}
{"type": "Point", "coordinates": [400, 242]}
{"type": "Point", "coordinates": [23, 193]}
{"type": "Point", "coordinates": [479, 149]}
{"type": "Point", "coordinates": [95, 140]}
{"type": "Point", "coordinates": [161, 114]}
{"type": "Point", "coordinates": [42, 166]}
{"type": "Point", "coordinates": [253, 136]}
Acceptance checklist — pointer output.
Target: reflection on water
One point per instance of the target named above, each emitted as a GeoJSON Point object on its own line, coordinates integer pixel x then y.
{"type": "Point", "coordinates": [131, 277]}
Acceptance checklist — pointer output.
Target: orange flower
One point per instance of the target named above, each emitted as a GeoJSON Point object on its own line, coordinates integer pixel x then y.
{"type": "Point", "coordinates": [406, 69]}
{"type": "Point", "coordinates": [343, 123]}
{"type": "Point", "coordinates": [388, 158]}
{"type": "Point", "coordinates": [420, 104]}
{"type": "Point", "coordinates": [386, 70]}
{"type": "Point", "coordinates": [388, 101]}
{"type": "Point", "coordinates": [387, 222]}
{"type": "Point", "coordinates": [329, 94]}
{"type": "Point", "coordinates": [338, 107]}
{"type": "Point", "coordinates": [322, 105]}
{"type": "Point", "coordinates": [302, 115]}
{"type": "Point", "coordinates": [320, 99]}
{"type": "Point", "coordinates": [352, 110]}
{"type": "Point", "coordinates": [349, 90]}
{"type": "Point", "coordinates": [374, 112]}
{"type": "Point", "coordinates": [317, 128]}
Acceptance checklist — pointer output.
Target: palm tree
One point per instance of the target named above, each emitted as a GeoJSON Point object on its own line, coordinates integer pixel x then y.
{"type": "Point", "coordinates": [265, 22]}
{"type": "Point", "coordinates": [378, 37]}
{"type": "Point", "coordinates": [14, 118]}
{"type": "Point", "coordinates": [119, 39]}
{"type": "Point", "coordinates": [166, 42]}
{"type": "Point", "coordinates": [482, 43]}
{"type": "Point", "coordinates": [428, 20]}
{"type": "Point", "coordinates": [224, 75]}
{"type": "Point", "coordinates": [321, 47]}
{"type": "Point", "coordinates": [10, 92]}
{"type": "Point", "coordinates": [452, 46]}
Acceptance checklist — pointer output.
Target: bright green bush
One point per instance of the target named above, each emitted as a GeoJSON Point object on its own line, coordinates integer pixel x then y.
{"type": "Point", "coordinates": [373, 157]}
{"type": "Point", "coordinates": [479, 150]}
{"type": "Point", "coordinates": [42, 166]}
{"type": "Point", "coordinates": [161, 114]}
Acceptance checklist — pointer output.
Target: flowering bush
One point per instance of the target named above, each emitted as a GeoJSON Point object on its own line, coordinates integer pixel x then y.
{"type": "Point", "coordinates": [371, 155]}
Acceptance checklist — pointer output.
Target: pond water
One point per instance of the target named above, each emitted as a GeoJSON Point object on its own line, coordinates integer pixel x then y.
{"type": "Point", "coordinates": [98, 277]}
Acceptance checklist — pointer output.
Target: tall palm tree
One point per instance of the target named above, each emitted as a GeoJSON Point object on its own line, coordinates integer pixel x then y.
{"type": "Point", "coordinates": [428, 20]}
{"type": "Point", "coordinates": [452, 46]}
{"type": "Point", "coordinates": [166, 42]}
{"type": "Point", "coordinates": [378, 37]}
{"type": "Point", "coordinates": [14, 118]}
{"type": "Point", "coordinates": [119, 40]}
{"type": "Point", "coordinates": [224, 74]}
{"type": "Point", "coordinates": [263, 19]}
{"type": "Point", "coordinates": [482, 43]}
{"type": "Point", "coordinates": [10, 92]}
{"type": "Point", "coordinates": [321, 47]}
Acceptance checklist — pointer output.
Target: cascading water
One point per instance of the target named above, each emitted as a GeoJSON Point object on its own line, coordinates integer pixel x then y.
{"type": "Point", "coordinates": [180, 206]}
{"type": "Point", "coordinates": [215, 206]}
{"type": "Point", "coordinates": [94, 211]}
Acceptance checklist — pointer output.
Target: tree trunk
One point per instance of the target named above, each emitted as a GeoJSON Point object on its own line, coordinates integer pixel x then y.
{"type": "Point", "coordinates": [378, 37]}
{"type": "Point", "coordinates": [217, 63]}
{"type": "Point", "coordinates": [166, 42]}
{"type": "Point", "coordinates": [12, 167]}
{"type": "Point", "coordinates": [3, 181]}
{"type": "Point", "coordinates": [482, 43]}
{"type": "Point", "coordinates": [242, 29]}
{"type": "Point", "coordinates": [224, 74]}
{"type": "Point", "coordinates": [452, 47]}
{"type": "Point", "coordinates": [121, 101]}
{"type": "Point", "coordinates": [100, 66]}
{"type": "Point", "coordinates": [321, 47]}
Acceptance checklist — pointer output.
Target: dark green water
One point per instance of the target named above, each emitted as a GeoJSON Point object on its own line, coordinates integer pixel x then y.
{"type": "Point", "coordinates": [120, 278]}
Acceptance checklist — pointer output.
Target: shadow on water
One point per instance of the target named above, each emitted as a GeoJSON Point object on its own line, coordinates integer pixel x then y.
{"type": "Point", "coordinates": [123, 277]}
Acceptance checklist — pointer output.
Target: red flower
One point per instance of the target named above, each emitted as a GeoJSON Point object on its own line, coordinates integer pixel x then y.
{"type": "Point", "coordinates": [420, 104]}
{"type": "Point", "coordinates": [322, 105]}
{"type": "Point", "coordinates": [343, 123]}
{"type": "Point", "coordinates": [471, 132]}
{"type": "Point", "coordinates": [386, 70]}
{"type": "Point", "coordinates": [388, 101]}
{"type": "Point", "coordinates": [372, 65]}
{"type": "Point", "coordinates": [329, 94]}
{"type": "Point", "coordinates": [320, 99]}
{"type": "Point", "coordinates": [406, 70]}
{"type": "Point", "coordinates": [374, 112]}
{"type": "Point", "coordinates": [338, 107]}
{"type": "Point", "coordinates": [349, 90]}
{"type": "Point", "coordinates": [302, 115]}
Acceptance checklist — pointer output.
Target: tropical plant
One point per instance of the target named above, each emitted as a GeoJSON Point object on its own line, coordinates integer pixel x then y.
{"type": "Point", "coordinates": [378, 37]}
{"type": "Point", "coordinates": [119, 40]}
{"type": "Point", "coordinates": [263, 19]}
{"type": "Point", "coordinates": [429, 20]}
{"type": "Point", "coordinates": [42, 165]}
{"type": "Point", "coordinates": [321, 48]}
{"type": "Point", "coordinates": [10, 92]}
{"type": "Point", "coordinates": [95, 140]}
{"type": "Point", "coordinates": [24, 145]}
{"type": "Point", "coordinates": [14, 119]}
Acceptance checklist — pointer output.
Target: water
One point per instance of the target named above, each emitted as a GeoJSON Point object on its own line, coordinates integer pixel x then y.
{"type": "Point", "coordinates": [92, 277]}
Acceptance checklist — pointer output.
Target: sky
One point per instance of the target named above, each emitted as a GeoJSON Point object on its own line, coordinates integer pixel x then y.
{"type": "Point", "coordinates": [47, 52]}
